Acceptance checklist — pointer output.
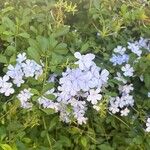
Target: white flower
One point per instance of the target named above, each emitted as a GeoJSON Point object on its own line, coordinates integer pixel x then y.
{"type": "Point", "coordinates": [114, 109]}
{"type": "Point", "coordinates": [82, 120]}
{"type": "Point", "coordinates": [143, 43]}
{"type": "Point", "coordinates": [15, 71]}
{"type": "Point", "coordinates": [120, 78]}
{"type": "Point", "coordinates": [104, 76]}
{"type": "Point", "coordinates": [134, 48]}
{"type": "Point", "coordinates": [125, 112]}
{"type": "Point", "coordinates": [128, 99]}
{"type": "Point", "coordinates": [3, 80]}
{"type": "Point", "coordinates": [94, 96]}
{"type": "Point", "coordinates": [128, 70]}
{"type": "Point", "coordinates": [7, 89]}
{"type": "Point", "coordinates": [46, 103]}
{"type": "Point", "coordinates": [18, 81]}
{"type": "Point", "coordinates": [85, 61]}
{"type": "Point", "coordinates": [28, 68]}
{"type": "Point", "coordinates": [121, 50]}
{"type": "Point", "coordinates": [148, 94]}
{"type": "Point", "coordinates": [52, 77]}
{"type": "Point", "coordinates": [113, 106]}
{"type": "Point", "coordinates": [5, 86]}
{"type": "Point", "coordinates": [148, 125]}
{"type": "Point", "coordinates": [21, 57]}
{"type": "Point", "coordinates": [142, 78]}
{"type": "Point", "coordinates": [126, 89]}
{"type": "Point", "coordinates": [24, 97]}
{"type": "Point", "coordinates": [120, 102]}
{"type": "Point", "coordinates": [97, 108]}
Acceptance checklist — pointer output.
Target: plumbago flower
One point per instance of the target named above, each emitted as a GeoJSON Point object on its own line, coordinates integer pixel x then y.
{"type": "Point", "coordinates": [121, 103]}
{"type": "Point", "coordinates": [78, 88]}
{"type": "Point", "coordinates": [119, 57]}
{"type": "Point", "coordinates": [16, 75]}
{"type": "Point", "coordinates": [128, 70]}
{"type": "Point", "coordinates": [23, 69]}
{"type": "Point", "coordinates": [5, 86]}
{"type": "Point", "coordinates": [87, 79]}
{"type": "Point", "coordinates": [24, 97]}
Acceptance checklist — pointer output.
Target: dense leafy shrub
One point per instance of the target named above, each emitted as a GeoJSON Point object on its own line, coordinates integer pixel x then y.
{"type": "Point", "coordinates": [50, 32]}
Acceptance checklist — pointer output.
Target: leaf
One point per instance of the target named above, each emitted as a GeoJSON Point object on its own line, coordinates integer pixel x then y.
{"type": "Point", "coordinates": [105, 147]}
{"type": "Point", "coordinates": [10, 50]}
{"type": "Point", "coordinates": [53, 123]}
{"type": "Point", "coordinates": [33, 53]}
{"type": "Point", "coordinates": [43, 43]}
{"type": "Point", "coordinates": [147, 80]}
{"type": "Point", "coordinates": [84, 47]}
{"type": "Point", "coordinates": [61, 49]}
{"type": "Point", "coordinates": [84, 141]}
{"type": "Point", "coordinates": [3, 59]}
{"type": "Point", "coordinates": [24, 35]}
{"type": "Point", "coordinates": [50, 97]}
{"type": "Point", "coordinates": [5, 147]}
{"type": "Point", "coordinates": [56, 59]}
{"type": "Point", "coordinates": [47, 87]}
{"type": "Point", "coordinates": [9, 24]}
{"type": "Point", "coordinates": [33, 43]}
{"type": "Point", "coordinates": [65, 141]}
{"type": "Point", "coordinates": [60, 31]}
{"type": "Point", "coordinates": [48, 111]}
{"type": "Point", "coordinates": [35, 91]}
{"type": "Point", "coordinates": [12, 59]}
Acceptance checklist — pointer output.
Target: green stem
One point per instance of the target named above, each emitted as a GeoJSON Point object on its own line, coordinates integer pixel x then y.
{"type": "Point", "coordinates": [47, 135]}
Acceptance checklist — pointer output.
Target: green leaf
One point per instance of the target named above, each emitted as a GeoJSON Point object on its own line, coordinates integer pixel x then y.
{"type": "Point", "coordinates": [53, 123]}
{"type": "Point", "coordinates": [48, 111]}
{"type": "Point", "coordinates": [24, 35]}
{"type": "Point", "coordinates": [9, 24]}
{"type": "Point", "coordinates": [50, 97]}
{"type": "Point", "coordinates": [12, 59]}
{"type": "Point", "coordinates": [10, 50]}
{"type": "Point", "coordinates": [84, 47]}
{"type": "Point", "coordinates": [33, 43]}
{"type": "Point", "coordinates": [61, 31]}
{"type": "Point", "coordinates": [35, 91]}
{"type": "Point", "coordinates": [47, 87]}
{"type": "Point", "coordinates": [84, 141]}
{"type": "Point", "coordinates": [43, 43]}
{"type": "Point", "coordinates": [5, 147]}
{"type": "Point", "coordinates": [61, 49]}
{"type": "Point", "coordinates": [3, 59]}
{"type": "Point", "coordinates": [105, 147]}
{"type": "Point", "coordinates": [147, 80]}
{"type": "Point", "coordinates": [33, 53]}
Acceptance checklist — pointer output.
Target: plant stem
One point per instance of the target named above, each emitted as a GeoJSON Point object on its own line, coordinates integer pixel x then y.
{"type": "Point", "coordinates": [47, 135]}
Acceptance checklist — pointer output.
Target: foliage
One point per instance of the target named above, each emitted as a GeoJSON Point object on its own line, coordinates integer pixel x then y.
{"type": "Point", "coordinates": [51, 31]}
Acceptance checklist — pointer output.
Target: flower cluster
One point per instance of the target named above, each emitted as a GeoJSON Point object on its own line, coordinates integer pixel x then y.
{"type": "Point", "coordinates": [121, 59]}
{"type": "Point", "coordinates": [23, 69]}
{"type": "Point", "coordinates": [122, 102]}
{"type": "Point", "coordinates": [77, 88]}
{"type": "Point", "coordinates": [24, 97]}
{"type": "Point", "coordinates": [5, 86]}
{"type": "Point", "coordinates": [18, 73]}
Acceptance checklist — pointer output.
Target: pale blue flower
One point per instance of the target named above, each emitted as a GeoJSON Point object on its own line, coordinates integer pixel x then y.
{"type": "Point", "coordinates": [118, 59]}
{"type": "Point", "coordinates": [128, 70]}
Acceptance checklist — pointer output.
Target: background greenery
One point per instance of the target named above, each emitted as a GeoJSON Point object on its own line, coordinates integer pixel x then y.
{"type": "Point", "coordinates": [52, 31]}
